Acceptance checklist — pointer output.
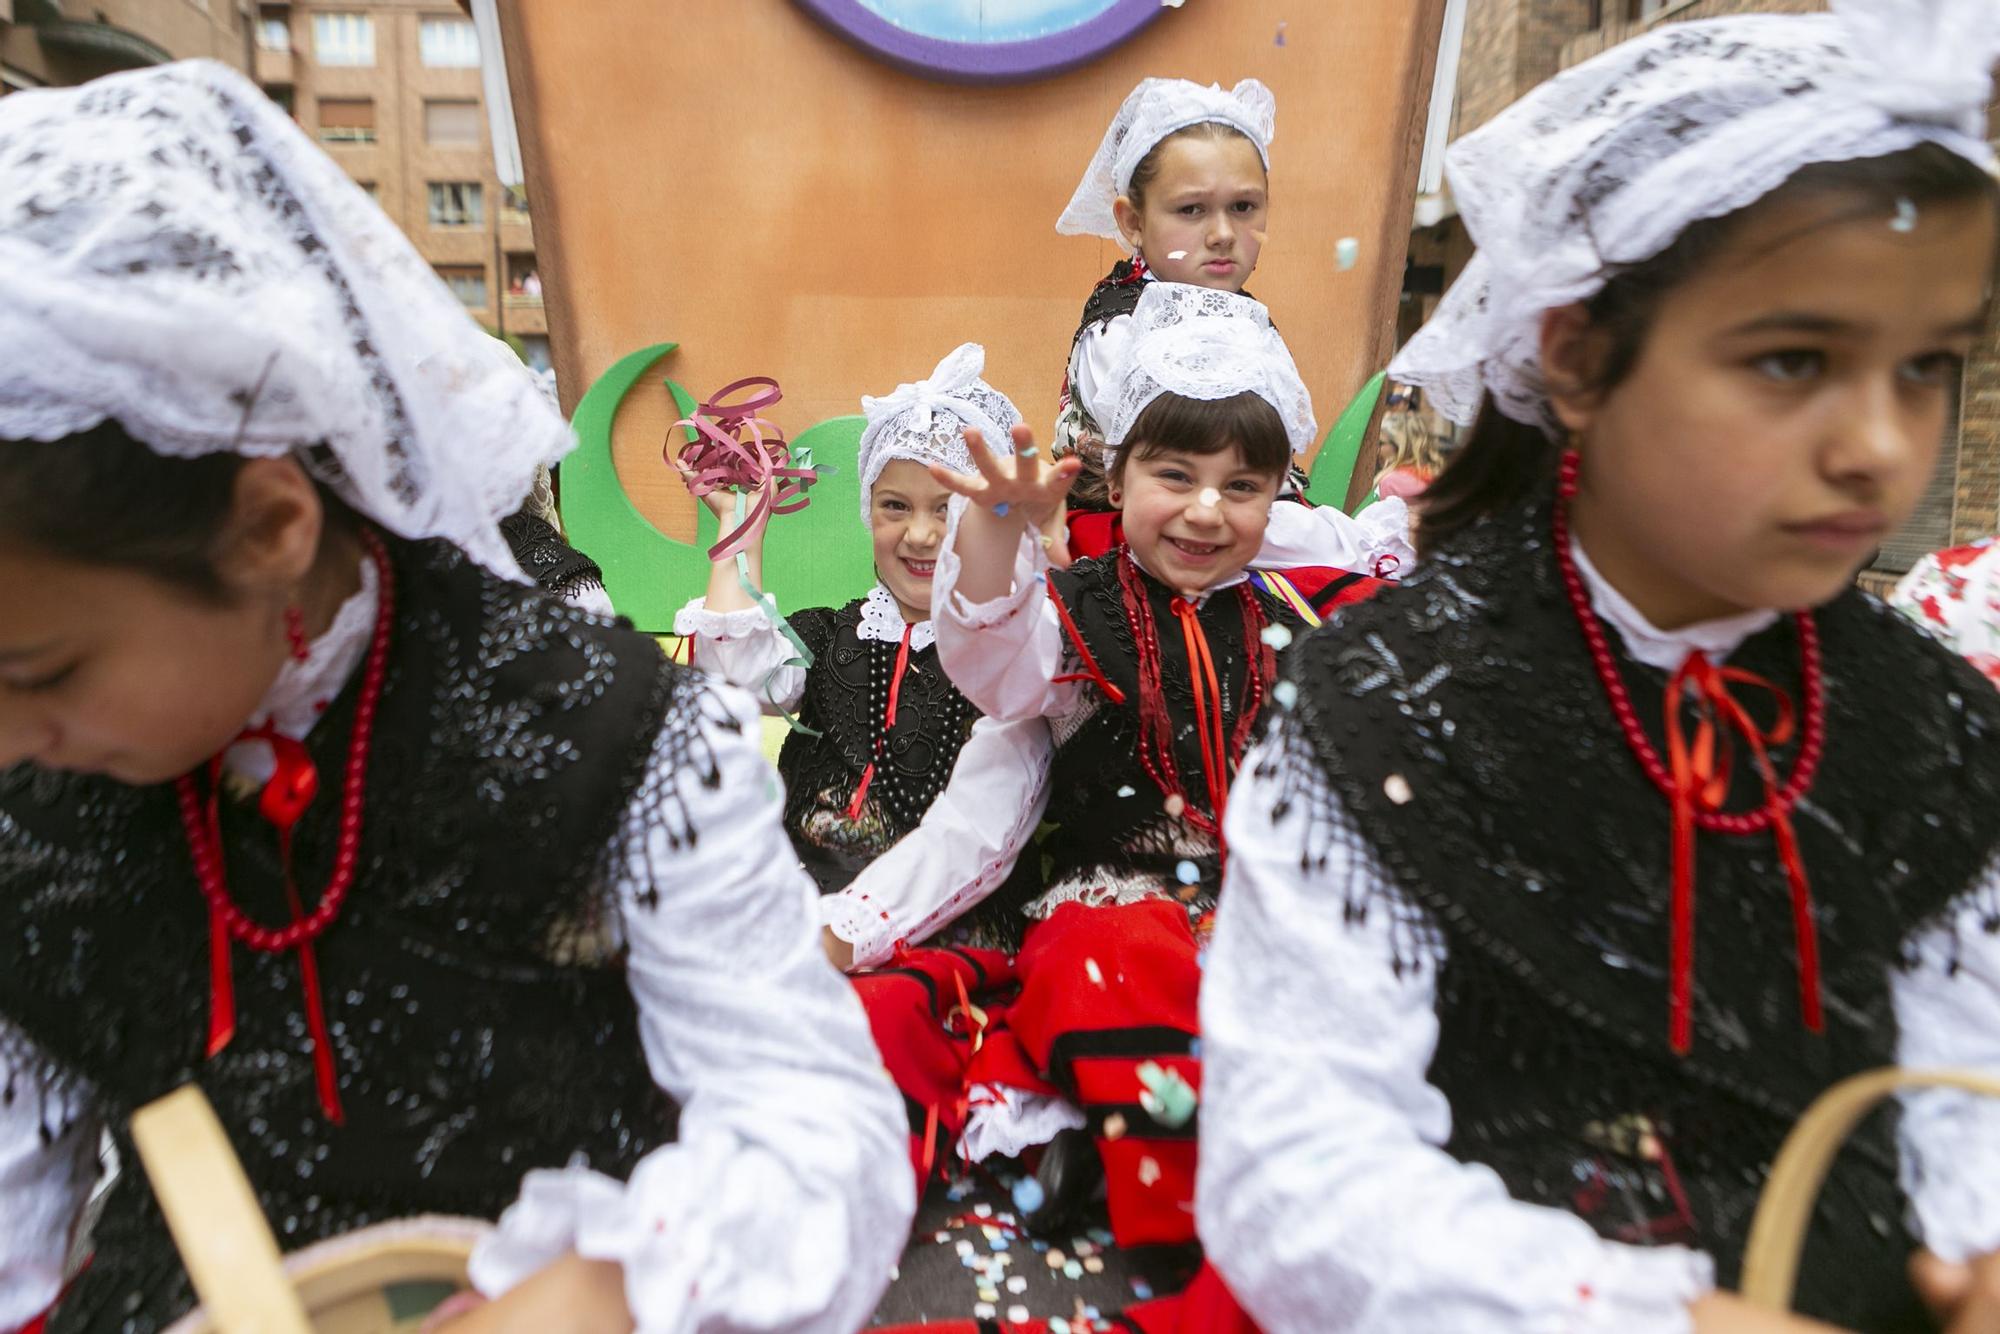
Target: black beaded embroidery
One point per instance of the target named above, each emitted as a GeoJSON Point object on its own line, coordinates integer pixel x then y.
{"type": "Point", "coordinates": [846, 700]}
{"type": "Point", "coordinates": [1455, 727]}
{"type": "Point", "coordinates": [554, 565]}
{"type": "Point", "coordinates": [477, 1004]}
{"type": "Point", "coordinates": [1110, 817]}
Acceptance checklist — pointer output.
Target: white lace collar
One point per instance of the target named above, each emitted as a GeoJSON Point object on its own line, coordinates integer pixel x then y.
{"type": "Point", "coordinates": [303, 690]}
{"type": "Point", "coordinates": [1665, 649]}
{"type": "Point", "coordinates": [882, 620]}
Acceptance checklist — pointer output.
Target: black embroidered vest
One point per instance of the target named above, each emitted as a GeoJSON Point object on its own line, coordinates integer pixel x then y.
{"type": "Point", "coordinates": [1458, 721]}
{"type": "Point", "coordinates": [480, 1018]}
{"type": "Point", "coordinates": [846, 702]}
{"type": "Point", "coordinates": [1116, 293]}
{"type": "Point", "coordinates": [1109, 812]}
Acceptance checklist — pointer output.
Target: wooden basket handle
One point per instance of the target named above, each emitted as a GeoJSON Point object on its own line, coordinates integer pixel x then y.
{"type": "Point", "coordinates": [231, 1257]}
{"type": "Point", "coordinates": [1784, 1212]}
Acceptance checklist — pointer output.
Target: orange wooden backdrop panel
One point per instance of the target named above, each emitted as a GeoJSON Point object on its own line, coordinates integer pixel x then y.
{"type": "Point", "coordinates": [733, 176]}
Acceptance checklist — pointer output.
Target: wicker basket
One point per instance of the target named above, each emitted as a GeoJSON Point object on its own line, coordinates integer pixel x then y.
{"type": "Point", "coordinates": [378, 1280]}
{"type": "Point", "coordinates": [1778, 1231]}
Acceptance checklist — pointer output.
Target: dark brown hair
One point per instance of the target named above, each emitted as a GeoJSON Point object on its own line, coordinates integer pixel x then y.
{"type": "Point", "coordinates": [1503, 460]}
{"type": "Point", "coordinates": [1171, 424]}
{"type": "Point", "coordinates": [101, 497]}
{"type": "Point", "coordinates": [1148, 169]}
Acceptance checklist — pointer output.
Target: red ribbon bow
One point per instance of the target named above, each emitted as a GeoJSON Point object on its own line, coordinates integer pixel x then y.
{"type": "Point", "coordinates": [1700, 774]}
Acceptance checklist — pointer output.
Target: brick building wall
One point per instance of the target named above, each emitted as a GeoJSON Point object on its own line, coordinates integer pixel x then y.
{"type": "Point", "coordinates": [57, 43]}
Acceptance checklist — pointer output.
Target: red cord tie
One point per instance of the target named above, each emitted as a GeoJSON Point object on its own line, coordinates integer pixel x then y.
{"type": "Point", "coordinates": [1700, 775]}
{"type": "Point", "coordinates": [1207, 707]}
{"type": "Point", "coordinates": [1221, 747]}
{"type": "Point", "coordinates": [1091, 671]}
{"type": "Point", "coordinates": [291, 789]}
{"type": "Point", "coordinates": [888, 723]}
{"type": "Point", "coordinates": [1695, 779]}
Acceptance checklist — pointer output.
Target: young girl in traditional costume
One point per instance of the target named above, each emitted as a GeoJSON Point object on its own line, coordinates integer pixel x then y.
{"type": "Point", "coordinates": [426, 878]}
{"type": "Point", "coordinates": [1142, 672]}
{"type": "Point", "coordinates": [1592, 855]}
{"type": "Point", "coordinates": [880, 726]}
{"type": "Point", "coordinates": [1180, 181]}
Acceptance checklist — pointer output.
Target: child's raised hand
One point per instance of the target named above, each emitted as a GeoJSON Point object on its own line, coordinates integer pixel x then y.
{"type": "Point", "coordinates": [1019, 485]}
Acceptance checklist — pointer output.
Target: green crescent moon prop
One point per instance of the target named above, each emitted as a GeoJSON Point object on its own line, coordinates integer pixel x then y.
{"type": "Point", "coordinates": [1333, 466]}
{"type": "Point", "coordinates": [813, 558]}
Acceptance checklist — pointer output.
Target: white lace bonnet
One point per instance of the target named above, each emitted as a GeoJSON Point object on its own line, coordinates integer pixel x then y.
{"type": "Point", "coordinates": [925, 421]}
{"type": "Point", "coordinates": [1607, 163]}
{"type": "Point", "coordinates": [1151, 112]}
{"type": "Point", "coordinates": [177, 255]}
{"type": "Point", "coordinates": [1205, 344]}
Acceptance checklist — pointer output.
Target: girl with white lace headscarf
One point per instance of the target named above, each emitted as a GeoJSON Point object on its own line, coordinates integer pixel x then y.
{"type": "Point", "coordinates": [1138, 677]}
{"type": "Point", "coordinates": [1580, 864]}
{"type": "Point", "coordinates": [1180, 181]}
{"type": "Point", "coordinates": [452, 898]}
{"type": "Point", "coordinates": [879, 727]}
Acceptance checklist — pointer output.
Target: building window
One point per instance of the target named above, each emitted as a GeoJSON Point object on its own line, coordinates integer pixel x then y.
{"type": "Point", "coordinates": [346, 120]}
{"type": "Point", "coordinates": [274, 33]}
{"type": "Point", "coordinates": [467, 282]}
{"type": "Point", "coordinates": [524, 278]}
{"type": "Point", "coordinates": [281, 93]}
{"type": "Point", "coordinates": [448, 44]}
{"type": "Point", "coordinates": [371, 189]}
{"type": "Point", "coordinates": [513, 203]}
{"type": "Point", "coordinates": [344, 39]}
{"type": "Point", "coordinates": [451, 123]}
{"type": "Point", "coordinates": [456, 204]}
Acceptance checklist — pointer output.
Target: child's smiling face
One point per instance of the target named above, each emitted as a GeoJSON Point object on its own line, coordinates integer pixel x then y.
{"type": "Point", "coordinates": [1201, 217]}
{"type": "Point", "coordinates": [1194, 520]}
{"type": "Point", "coordinates": [906, 518]}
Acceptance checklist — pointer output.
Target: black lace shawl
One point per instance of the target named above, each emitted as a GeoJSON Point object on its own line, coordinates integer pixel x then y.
{"type": "Point", "coordinates": [846, 702]}
{"type": "Point", "coordinates": [479, 1014]}
{"type": "Point", "coordinates": [1456, 727]}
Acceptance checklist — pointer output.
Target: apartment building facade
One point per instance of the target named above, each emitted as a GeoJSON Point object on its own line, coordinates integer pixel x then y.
{"type": "Point", "coordinates": [391, 89]}
{"type": "Point", "coordinates": [58, 43]}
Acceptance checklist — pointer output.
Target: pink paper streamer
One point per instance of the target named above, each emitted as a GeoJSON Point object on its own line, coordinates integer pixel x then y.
{"type": "Point", "coordinates": [737, 448]}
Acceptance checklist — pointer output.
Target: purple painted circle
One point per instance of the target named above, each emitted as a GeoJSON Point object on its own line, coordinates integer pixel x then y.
{"type": "Point", "coordinates": [984, 62]}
